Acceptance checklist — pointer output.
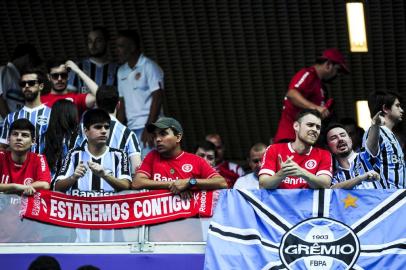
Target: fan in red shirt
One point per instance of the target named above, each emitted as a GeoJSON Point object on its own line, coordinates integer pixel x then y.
{"type": "Point", "coordinates": [58, 76]}
{"type": "Point", "coordinates": [22, 171]}
{"type": "Point", "coordinates": [298, 164]}
{"type": "Point", "coordinates": [169, 167]}
{"type": "Point", "coordinates": [306, 91]}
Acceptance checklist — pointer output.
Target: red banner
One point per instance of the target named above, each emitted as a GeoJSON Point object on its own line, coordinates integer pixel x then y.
{"type": "Point", "coordinates": [113, 212]}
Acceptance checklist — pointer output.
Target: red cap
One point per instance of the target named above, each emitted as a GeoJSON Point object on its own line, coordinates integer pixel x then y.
{"type": "Point", "coordinates": [335, 56]}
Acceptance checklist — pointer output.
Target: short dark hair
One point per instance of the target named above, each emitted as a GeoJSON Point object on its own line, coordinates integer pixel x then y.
{"type": "Point", "coordinates": [41, 77]}
{"type": "Point", "coordinates": [27, 49]}
{"type": "Point", "coordinates": [377, 100]}
{"type": "Point", "coordinates": [107, 98]}
{"type": "Point", "coordinates": [205, 145]}
{"type": "Point", "coordinates": [103, 30]}
{"type": "Point", "coordinates": [305, 112]}
{"type": "Point", "coordinates": [131, 35]}
{"type": "Point", "coordinates": [94, 116]}
{"type": "Point", "coordinates": [54, 62]}
{"type": "Point", "coordinates": [44, 262]}
{"type": "Point", "coordinates": [22, 124]}
{"type": "Point", "coordinates": [330, 127]}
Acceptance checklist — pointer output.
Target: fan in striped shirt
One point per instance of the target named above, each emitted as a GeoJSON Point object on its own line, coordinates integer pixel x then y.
{"type": "Point", "coordinates": [390, 154]}
{"type": "Point", "coordinates": [353, 170]}
{"type": "Point", "coordinates": [32, 83]}
{"type": "Point", "coordinates": [94, 170]}
{"type": "Point", "coordinates": [121, 137]}
{"type": "Point", "coordinates": [97, 66]}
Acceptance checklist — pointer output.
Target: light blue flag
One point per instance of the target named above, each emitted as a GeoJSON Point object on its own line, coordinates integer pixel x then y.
{"type": "Point", "coordinates": [308, 229]}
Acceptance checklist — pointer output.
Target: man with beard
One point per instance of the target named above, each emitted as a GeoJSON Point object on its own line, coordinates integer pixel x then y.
{"type": "Point", "coordinates": [306, 92]}
{"type": "Point", "coordinates": [25, 56]}
{"type": "Point", "coordinates": [251, 180]}
{"type": "Point", "coordinates": [97, 66]}
{"type": "Point", "coordinates": [31, 83]}
{"type": "Point", "coordinates": [58, 76]}
{"type": "Point", "coordinates": [389, 151]}
{"type": "Point", "coordinates": [298, 164]}
{"type": "Point", "coordinates": [353, 170]}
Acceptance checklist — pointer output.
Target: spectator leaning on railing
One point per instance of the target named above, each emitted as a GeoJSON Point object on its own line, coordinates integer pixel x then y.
{"type": "Point", "coordinates": [22, 171]}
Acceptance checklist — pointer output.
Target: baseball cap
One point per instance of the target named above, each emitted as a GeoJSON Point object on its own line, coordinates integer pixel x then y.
{"type": "Point", "coordinates": [335, 56]}
{"type": "Point", "coordinates": [165, 122]}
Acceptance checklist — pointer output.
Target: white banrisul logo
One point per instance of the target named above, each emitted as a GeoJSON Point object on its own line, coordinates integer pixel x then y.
{"type": "Point", "coordinates": [319, 243]}
{"type": "Point", "coordinates": [187, 168]}
{"type": "Point", "coordinates": [310, 164]}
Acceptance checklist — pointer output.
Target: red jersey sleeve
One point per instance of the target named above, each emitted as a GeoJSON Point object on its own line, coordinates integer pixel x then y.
{"type": "Point", "coordinates": [326, 164]}
{"type": "Point", "coordinates": [80, 100]}
{"type": "Point", "coordinates": [269, 161]}
{"type": "Point", "coordinates": [42, 172]}
{"type": "Point", "coordinates": [206, 171]}
{"type": "Point", "coordinates": [147, 164]}
{"type": "Point", "coordinates": [302, 81]}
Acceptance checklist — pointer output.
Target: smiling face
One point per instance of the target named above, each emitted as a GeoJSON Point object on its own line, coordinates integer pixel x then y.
{"type": "Point", "coordinates": [307, 129]}
{"type": "Point", "coordinates": [339, 142]}
{"type": "Point", "coordinates": [20, 140]}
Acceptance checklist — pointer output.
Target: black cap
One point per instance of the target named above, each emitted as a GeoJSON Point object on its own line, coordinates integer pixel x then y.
{"type": "Point", "coordinates": [165, 122]}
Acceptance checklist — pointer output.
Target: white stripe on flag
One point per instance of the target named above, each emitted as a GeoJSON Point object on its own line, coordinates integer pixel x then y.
{"type": "Point", "coordinates": [269, 210]}
{"type": "Point", "coordinates": [316, 202]}
{"type": "Point", "coordinates": [377, 208]}
{"type": "Point", "coordinates": [243, 241]}
{"type": "Point", "coordinates": [327, 199]}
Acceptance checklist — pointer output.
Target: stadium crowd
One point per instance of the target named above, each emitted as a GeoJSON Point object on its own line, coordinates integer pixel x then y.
{"type": "Point", "coordinates": [97, 126]}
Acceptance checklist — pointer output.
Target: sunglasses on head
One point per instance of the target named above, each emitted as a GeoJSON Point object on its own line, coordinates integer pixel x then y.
{"type": "Point", "coordinates": [30, 83]}
{"type": "Point", "coordinates": [55, 76]}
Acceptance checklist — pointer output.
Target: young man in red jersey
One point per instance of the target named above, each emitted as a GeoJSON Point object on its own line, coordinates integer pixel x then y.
{"type": "Point", "coordinates": [306, 91]}
{"type": "Point", "coordinates": [169, 167]}
{"type": "Point", "coordinates": [298, 164]}
{"type": "Point", "coordinates": [22, 171]}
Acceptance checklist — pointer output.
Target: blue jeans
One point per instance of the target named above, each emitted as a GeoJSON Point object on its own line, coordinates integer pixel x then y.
{"type": "Point", "coordinates": [144, 148]}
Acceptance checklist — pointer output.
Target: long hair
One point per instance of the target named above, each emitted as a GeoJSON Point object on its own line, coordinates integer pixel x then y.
{"type": "Point", "coordinates": [62, 130]}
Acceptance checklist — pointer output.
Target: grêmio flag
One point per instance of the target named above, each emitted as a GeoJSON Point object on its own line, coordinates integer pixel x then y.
{"type": "Point", "coordinates": [308, 229]}
{"type": "Point", "coordinates": [116, 211]}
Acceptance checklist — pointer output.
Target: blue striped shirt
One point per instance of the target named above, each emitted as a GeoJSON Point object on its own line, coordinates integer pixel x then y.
{"type": "Point", "coordinates": [360, 163]}
{"type": "Point", "coordinates": [390, 159]}
{"type": "Point", "coordinates": [38, 116]}
{"type": "Point", "coordinates": [99, 73]}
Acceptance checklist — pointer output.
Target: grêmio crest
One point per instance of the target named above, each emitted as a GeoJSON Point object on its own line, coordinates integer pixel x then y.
{"type": "Point", "coordinates": [319, 243]}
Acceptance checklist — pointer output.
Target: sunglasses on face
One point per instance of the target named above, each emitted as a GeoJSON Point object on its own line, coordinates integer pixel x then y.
{"type": "Point", "coordinates": [55, 76]}
{"type": "Point", "coordinates": [30, 83]}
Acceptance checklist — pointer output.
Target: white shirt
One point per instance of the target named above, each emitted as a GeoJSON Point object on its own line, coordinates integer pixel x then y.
{"type": "Point", "coordinates": [136, 85]}
{"type": "Point", "coordinates": [248, 181]}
